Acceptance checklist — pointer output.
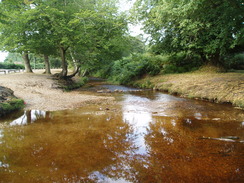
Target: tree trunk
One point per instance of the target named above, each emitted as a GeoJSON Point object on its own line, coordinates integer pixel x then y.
{"type": "Point", "coordinates": [74, 62]}
{"type": "Point", "coordinates": [47, 64]}
{"type": "Point", "coordinates": [28, 116]}
{"type": "Point", "coordinates": [74, 73]}
{"type": "Point", "coordinates": [203, 57]}
{"type": "Point", "coordinates": [215, 60]}
{"type": "Point", "coordinates": [83, 74]}
{"type": "Point", "coordinates": [28, 69]}
{"type": "Point", "coordinates": [64, 63]}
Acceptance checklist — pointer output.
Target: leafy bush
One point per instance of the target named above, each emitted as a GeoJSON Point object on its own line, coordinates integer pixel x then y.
{"type": "Point", "coordinates": [71, 85]}
{"type": "Point", "coordinates": [103, 71]}
{"type": "Point", "coordinates": [55, 63]}
{"type": "Point", "coordinates": [11, 66]}
{"type": "Point", "coordinates": [37, 66]}
{"type": "Point", "coordinates": [135, 66]}
{"type": "Point", "coordinates": [11, 105]}
{"type": "Point", "coordinates": [234, 61]}
{"type": "Point", "coordinates": [180, 62]}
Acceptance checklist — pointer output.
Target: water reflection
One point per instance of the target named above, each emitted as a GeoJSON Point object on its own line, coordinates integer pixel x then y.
{"type": "Point", "coordinates": [141, 139]}
{"type": "Point", "coordinates": [70, 148]}
{"type": "Point", "coordinates": [30, 116]}
{"type": "Point", "coordinates": [1, 135]}
{"type": "Point", "coordinates": [135, 113]}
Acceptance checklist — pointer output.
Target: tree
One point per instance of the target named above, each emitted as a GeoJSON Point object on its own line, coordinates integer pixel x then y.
{"type": "Point", "coordinates": [101, 38]}
{"type": "Point", "coordinates": [85, 33]}
{"type": "Point", "coordinates": [205, 27]}
{"type": "Point", "coordinates": [90, 32]}
{"type": "Point", "coordinates": [13, 33]}
{"type": "Point", "coordinates": [13, 57]}
{"type": "Point", "coordinates": [40, 38]}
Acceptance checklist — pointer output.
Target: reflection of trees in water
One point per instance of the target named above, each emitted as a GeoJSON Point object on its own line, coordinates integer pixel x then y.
{"type": "Point", "coordinates": [102, 146]}
{"type": "Point", "coordinates": [87, 148]}
{"type": "Point", "coordinates": [31, 116]}
{"type": "Point", "coordinates": [176, 153]}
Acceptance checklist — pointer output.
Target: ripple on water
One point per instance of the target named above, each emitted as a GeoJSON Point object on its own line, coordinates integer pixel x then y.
{"type": "Point", "coordinates": [146, 137]}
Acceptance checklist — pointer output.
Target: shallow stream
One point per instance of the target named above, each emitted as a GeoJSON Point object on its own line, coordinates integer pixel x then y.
{"type": "Point", "coordinates": [145, 136]}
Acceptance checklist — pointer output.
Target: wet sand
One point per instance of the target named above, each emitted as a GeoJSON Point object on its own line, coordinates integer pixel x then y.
{"type": "Point", "coordinates": [40, 92]}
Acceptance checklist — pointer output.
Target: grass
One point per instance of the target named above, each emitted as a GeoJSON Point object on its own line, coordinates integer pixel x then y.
{"type": "Point", "coordinates": [10, 106]}
{"type": "Point", "coordinates": [205, 84]}
{"type": "Point", "coordinates": [69, 85]}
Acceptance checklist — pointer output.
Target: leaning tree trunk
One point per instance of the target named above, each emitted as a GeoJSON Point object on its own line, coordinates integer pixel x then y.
{"type": "Point", "coordinates": [47, 65]}
{"type": "Point", "coordinates": [64, 63]}
{"type": "Point", "coordinates": [28, 69]}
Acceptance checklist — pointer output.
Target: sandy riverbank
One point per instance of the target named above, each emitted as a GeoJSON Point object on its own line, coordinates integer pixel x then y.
{"type": "Point", "coordinates": [39, 92]}
{"type": "Point", "coordinates": [216, 87]}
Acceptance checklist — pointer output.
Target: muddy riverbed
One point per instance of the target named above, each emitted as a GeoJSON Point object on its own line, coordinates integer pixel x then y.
{"type": "Point", "coordinates": [145, 136]}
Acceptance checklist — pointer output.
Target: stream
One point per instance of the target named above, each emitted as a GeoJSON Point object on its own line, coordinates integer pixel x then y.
{"type": "Point", "coordinates": [145, 136]}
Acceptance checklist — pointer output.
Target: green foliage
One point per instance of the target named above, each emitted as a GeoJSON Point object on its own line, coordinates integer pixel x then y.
{"type": "Point", "coordinates": [13, 58]}
{"type": "Point", "coordinates": [144, 84]}
{"type": "Point", "coordinates": [126, 70]}
{"type": "Point", "coordinates": [37, 65]}
{"type": "Point", "coordinates": [92, 31]}
{"type": "Point", "coordinates": [181, 62]}
{"type": "Point", "coordinates": [10, 106]}
{"type": "Point", "coordinates": [235, 61]}
{"type": "Point", "coordinates": [55, 63]}
{"type": "Point", "coordinates": [129, 68]}
{"type": "Point", "coordinates": [71, 85]}
{"type": "Point", "coordinates": [11, 66]}
{"type": "Point", "coordinates": [204, 27]}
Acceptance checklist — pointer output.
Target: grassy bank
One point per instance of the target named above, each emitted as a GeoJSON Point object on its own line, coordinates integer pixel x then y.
{"type": "Point", "coordinates": [11, 105]}
{"type": "Point", "coordinates": [212, 86]}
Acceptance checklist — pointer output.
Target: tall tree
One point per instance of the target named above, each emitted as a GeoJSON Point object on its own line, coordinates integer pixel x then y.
{"type": "Point", "coordinates": [205, 27]}
{"type": "Point", "coordinates": [92, 31]}
{"type": "Point", "coordinates": [83, 28]}
{"type": "Point", "coordinates": [101, 38]}
{"type": "Point", "coordinates": [13, 33]}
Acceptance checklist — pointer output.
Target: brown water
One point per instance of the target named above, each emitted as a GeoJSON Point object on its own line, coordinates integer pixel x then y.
{"type": "Point", "coordinates": [146, 137]}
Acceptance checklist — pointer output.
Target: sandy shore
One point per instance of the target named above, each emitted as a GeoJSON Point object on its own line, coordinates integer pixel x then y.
{"type": "Point", "coordinates": [216, 87]}
{"type": "Point", "coordinates": [40, 93]}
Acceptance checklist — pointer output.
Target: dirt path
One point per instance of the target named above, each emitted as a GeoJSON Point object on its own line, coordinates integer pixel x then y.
{"type": "Point", "coordinates": [39, 92]}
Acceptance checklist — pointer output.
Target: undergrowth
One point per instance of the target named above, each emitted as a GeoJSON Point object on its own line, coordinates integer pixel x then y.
{"type": "Point", "coordinates": [10, 106]}
{"type": "Point", "coordinates": [71, 85]}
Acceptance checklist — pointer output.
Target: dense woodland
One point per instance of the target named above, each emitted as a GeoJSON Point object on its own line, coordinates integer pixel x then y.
{"type": "Point", "coordinates": [92, 36]}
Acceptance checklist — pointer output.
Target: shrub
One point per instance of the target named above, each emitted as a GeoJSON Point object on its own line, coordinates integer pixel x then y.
{"type": "Point", "coordinates": [71, 85]}
{"type": "Point", "coordinates": [127, 69]}
{"type": "Point", "coordinates": [135, 66]}
{"type": "Point", "coordinates": [234, 61]}
{"type": "Point", "coordinates": [37, 65]}
{"type": "Point", "coordinates": [181, 62]}
{"type": "Point", "coordinates": [11, 66]}
{"type": "Point", "coordinates": [11, 105]}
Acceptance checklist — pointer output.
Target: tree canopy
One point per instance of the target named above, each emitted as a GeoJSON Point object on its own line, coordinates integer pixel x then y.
{"type": "Point", "coordinates": [91, 34]}
{"type": "Point", "coordinates": [84, 29]}
{"type": "Point", "coordinates": [204, 27]}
